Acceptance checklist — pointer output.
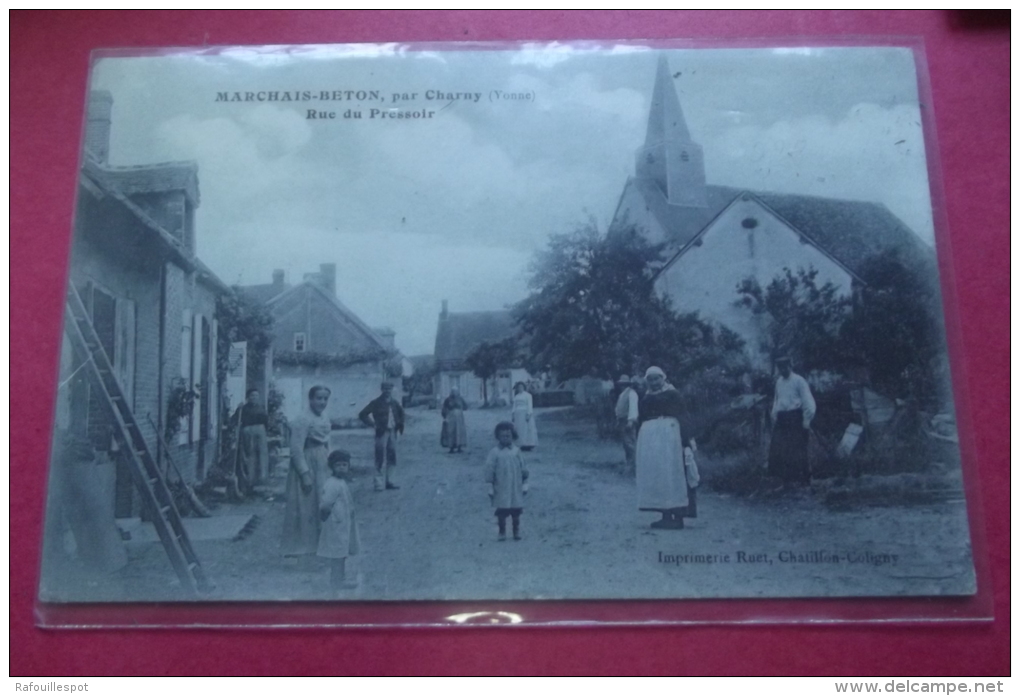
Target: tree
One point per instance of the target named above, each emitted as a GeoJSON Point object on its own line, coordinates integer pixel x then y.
{"type": "Point", "coordinates": [799, 318]}
{"type": "Point", "coordinates": [897, 331]}
{"type": "Point", "coordinates": [892, 332]}
{"type": "Point", "coordinates": [241, 319]}
{"type": "Point", "coordinates": [487, 358]}
{"type": "Point", "coordinates": [593, 310]}
{"type": "Point", "coordinates": [422, 381]}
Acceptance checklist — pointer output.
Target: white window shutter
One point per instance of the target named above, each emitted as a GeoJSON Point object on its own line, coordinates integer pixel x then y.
{"type": "Point", "coordinates": [124, 348]}
{"type": "Point", "coordinates": [183, 437]}
{"type": "Point", "coordinates": [214, 386]}
{"type": "Point", "coordinates": [196, 374]}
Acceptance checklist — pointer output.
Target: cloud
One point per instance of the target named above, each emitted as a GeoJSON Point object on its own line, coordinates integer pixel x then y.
{"type": "Point", "coordinates": [387, 278]}
{"type": "Point", "coordinates": [453, 207]}
{"type": "Point", "coordinates": [873, 153]}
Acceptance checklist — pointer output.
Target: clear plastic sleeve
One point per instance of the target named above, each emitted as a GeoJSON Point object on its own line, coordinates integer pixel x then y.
{"type": "Point", "coordinates": [546, 334]}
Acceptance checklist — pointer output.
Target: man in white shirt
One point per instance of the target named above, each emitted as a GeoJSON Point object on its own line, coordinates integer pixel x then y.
{"type": "Point", "coordinates": [793, 409]}
{"type": "Point", "coordinates": [627, 417]}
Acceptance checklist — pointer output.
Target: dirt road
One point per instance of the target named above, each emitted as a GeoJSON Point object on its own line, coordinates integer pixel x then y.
{"type": "Point", "coordinates": [435, 538]}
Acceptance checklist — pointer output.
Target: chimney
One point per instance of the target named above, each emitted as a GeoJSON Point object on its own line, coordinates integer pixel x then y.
{"type": "Point", "coordinates": [97, 126]}
{"type": "Point", "coordinates": [327, 272]}
{"type": "Point", "coordinates": [278, 278]}
{"type": "Point", "coordinates": [446, 309]}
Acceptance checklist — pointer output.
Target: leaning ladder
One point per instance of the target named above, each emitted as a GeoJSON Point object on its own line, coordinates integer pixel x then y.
{"type": "Point", "coordinates": [148, 478]}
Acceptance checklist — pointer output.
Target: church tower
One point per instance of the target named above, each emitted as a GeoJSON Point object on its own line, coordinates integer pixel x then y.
{"type": "Point", "coordinates": [669, 157]}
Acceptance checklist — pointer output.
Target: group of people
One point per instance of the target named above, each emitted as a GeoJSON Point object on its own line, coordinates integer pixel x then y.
{"type": "Point", "coordinates": [453, 435]}
{"type": "Point", "coordinates": [319, 514]}
{"type": "Point", "coordinates": [659, 446]}
{"type": "Point", "coordinates": [657, 440]}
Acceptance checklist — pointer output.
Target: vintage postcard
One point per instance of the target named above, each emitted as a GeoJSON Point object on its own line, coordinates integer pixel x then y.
{"type": "Point", "coordinates": [390, 323]}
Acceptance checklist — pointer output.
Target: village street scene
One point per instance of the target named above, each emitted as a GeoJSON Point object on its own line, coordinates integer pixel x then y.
{"type": "Point", "coordinates": [715, 390]}
{"type": "Point", "coordinates": [435, 538]}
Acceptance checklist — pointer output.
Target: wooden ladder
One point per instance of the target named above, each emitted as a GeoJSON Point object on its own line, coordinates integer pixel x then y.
{"type": "Point", "coordinates": [148, 478]}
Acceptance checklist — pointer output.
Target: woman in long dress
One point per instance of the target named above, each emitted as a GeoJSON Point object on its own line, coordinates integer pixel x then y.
{"type": "Point", "coordinates": [253, 450]}
{"type": "Point", "coordinates": [523, 418]}
{"type": "Point", "coordinates": [454, 427]}
{"type": "Point", "coordinates": [309, 450]}
{"type": "Point", "coordinates": [662, 476]}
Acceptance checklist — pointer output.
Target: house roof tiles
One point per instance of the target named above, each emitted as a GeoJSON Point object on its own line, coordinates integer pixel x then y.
{"type": "Point", "coordinates": [152, 178]}
{"type": "Point", "coordinates": [458, 333]}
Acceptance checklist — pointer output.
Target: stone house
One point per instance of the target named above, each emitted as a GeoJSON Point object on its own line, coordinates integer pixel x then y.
{"type": "Point", "coordinates": [152, 303]}
{"type": "Point", "coordinates": [319, 341]}
{"type": "Point", "coordinates": [459, 333]}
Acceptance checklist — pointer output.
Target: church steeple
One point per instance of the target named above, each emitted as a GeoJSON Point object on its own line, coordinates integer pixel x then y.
{"type": "Point", "coordinates": [669, 157]}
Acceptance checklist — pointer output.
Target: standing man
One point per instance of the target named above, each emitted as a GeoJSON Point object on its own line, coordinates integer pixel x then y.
{"type": "Point", "coordinates": [386, 415]}
{"type": "Point", "coordinates": [627, 418]}
{"type": "Point", "coordinates": [793, 408]}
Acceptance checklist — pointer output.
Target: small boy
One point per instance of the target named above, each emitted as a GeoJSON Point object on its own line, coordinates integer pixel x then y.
{"type": "Point", "coordinates": [506, 475]}
{"type": "Point", "coordinates": [339, 536]}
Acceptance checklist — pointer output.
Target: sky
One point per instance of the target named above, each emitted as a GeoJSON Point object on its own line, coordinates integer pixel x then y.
{"type": "Point", "coordinates": [454, 206]}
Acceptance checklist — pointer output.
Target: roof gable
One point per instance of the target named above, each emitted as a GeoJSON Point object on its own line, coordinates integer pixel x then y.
{"type": "Point", "coordinates": [784, 224]}
{"type": "Point", "coordinates": [850, 232]}
{"type": "Point", "coordinates": [337, 311]}
{"type": "Point", "coordinates": [680, 224]}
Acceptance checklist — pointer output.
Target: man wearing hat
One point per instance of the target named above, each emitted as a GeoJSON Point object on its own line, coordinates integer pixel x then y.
{"type": "Point", "coordinates": [627, 417]}
{"type": "Point", "coordinates": [386, 415]}
{"type": "Point", "coordinates": [793, 408]}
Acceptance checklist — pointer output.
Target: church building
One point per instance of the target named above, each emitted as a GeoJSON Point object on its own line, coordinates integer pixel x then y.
{"type": "Point", "coordinates": [715, 236]}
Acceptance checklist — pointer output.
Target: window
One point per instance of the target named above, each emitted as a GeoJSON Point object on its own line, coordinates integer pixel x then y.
{"type": "Point", "coordinates": [299, 342]}
{"type": "Point", "coordinates": [684, 157]}
{"type": "Point", "coordinates": [749, 223]}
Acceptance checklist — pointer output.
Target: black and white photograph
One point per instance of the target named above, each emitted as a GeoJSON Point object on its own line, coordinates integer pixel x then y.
{"type": "Point", "coordinates": [380, 323]}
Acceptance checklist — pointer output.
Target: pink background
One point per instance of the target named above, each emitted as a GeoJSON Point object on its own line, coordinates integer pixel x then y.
{"type": "Point", "coordinates": [968, 56]}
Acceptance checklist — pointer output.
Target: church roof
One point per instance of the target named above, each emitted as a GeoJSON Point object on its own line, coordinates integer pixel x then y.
{"type": "Point", "coordinates": [665, 117]}
{"type": "Point", "coordinates": [459, 333]}
{"type": "Point", "coordinates": [849, 231]}
{"type": "Point", "coordinates": [681, 223]}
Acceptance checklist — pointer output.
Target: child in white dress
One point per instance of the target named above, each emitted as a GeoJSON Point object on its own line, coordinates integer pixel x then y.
{"type": "Point", "coordinates": [339, 537]}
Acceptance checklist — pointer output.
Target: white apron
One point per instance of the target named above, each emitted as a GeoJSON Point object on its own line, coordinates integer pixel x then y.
{"type": "Point", "coordinates": [661, 480]}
